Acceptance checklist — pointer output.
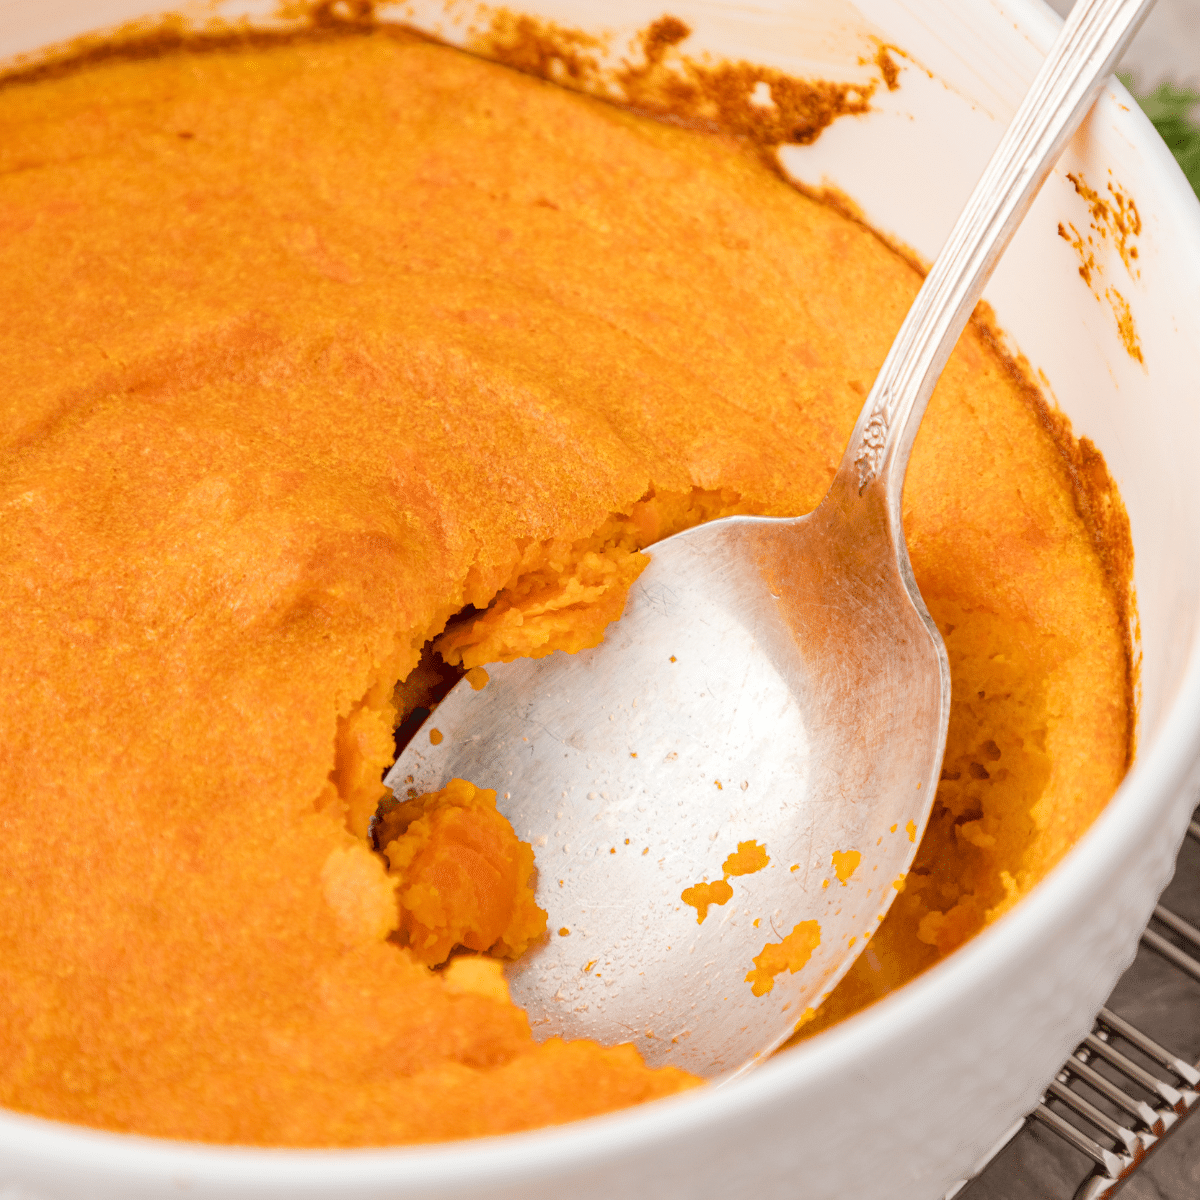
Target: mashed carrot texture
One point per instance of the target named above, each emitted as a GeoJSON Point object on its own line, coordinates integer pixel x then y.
{"type": "Point", "coordinates": [462, 875]}
{"type": "Point", "coordinates": [320, 351]}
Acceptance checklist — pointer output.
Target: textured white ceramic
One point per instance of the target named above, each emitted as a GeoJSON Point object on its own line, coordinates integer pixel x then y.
{"type": "Point", "coordinates": [898, 1102]}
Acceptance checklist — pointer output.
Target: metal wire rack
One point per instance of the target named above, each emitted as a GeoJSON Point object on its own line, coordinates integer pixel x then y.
{"type": "Point", "coordinates": [1121, 1095]}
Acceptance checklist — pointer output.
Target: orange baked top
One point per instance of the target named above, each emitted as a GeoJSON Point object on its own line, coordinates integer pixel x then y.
{"type": "Point", "coordinates": [308, 346]}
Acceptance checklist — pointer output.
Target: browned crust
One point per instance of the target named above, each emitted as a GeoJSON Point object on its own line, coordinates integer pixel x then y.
{"type": "Point", "coordinates": [666, 83]}
{"type": "Point", "coordinates": [168, 34]}
{"type": "Point", "coordinates": [1099, 505]}
{"type": "Point", "coordinates": [844, 205]}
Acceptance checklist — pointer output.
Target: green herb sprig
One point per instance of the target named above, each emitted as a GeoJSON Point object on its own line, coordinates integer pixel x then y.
{"type": "Point", "coordinates": [1170, 110]}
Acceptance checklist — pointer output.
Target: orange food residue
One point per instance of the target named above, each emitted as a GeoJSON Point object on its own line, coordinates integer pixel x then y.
{"type": "Point", "coordinates": [911, 830]}
{"type": "Point", "coordinates": [1113, 220]}
{"type": "Point", "coordinates": [788, 955]}
{"type": "Point", "coordinates": [703, 894]}
{"type": "Point", "coordinates": [1126, 329]}
{"type": "Point", "coordinates": [845, 863]}
{"type": "Point", "coordinates": [478, 678]}
{"type": "Point", "coordinates": [1118, 218]}
{"type": "Point", "coordinates": [746, 859]}
{"type": "Point", "coordinates": [435, 737]}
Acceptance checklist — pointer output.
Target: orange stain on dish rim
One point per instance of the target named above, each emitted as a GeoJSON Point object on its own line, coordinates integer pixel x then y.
{"type": "Point", "coordinates": [1126, 329]}
{"type": "Point", "coordinates": [1118, 218]}
{"type": "Point", "coordinates": [794, 867]}
{"type": "Point", "coordinates": [893, 829]}
{"type": "Point", "coordinates": [790, 954]}
{"type": "Point", "coordinates": [845, 863]}
{"type": "Point", "coordinates": [564, 932]}
{"type": "Point", "coordinates": [435, 736]}
{"type": "Point", "coordinates": [478, 678]}
{"type": "Point", "coordinates": [911, 830]}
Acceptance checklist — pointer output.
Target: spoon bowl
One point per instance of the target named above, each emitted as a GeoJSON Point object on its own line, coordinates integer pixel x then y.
{"type": "Point", "coordinates": [725, 796]}
{"type": "Point", "coordinates": [773, 684]}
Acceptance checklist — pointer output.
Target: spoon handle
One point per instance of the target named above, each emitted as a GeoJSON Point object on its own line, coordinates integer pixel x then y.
{"type": "Point", "coordinates": [1066, 87]}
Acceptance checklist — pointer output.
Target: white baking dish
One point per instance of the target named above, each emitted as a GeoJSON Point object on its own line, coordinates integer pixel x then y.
{"type": "Point", "coordinates": [899, 1101]}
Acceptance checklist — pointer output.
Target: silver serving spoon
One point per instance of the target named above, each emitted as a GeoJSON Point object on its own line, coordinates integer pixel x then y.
{"type": "Point", "coordinates": [775, 682]}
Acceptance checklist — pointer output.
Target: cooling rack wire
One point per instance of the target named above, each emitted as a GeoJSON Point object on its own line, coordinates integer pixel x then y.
{"type": "Point", "coordinates": [1123, 1093]}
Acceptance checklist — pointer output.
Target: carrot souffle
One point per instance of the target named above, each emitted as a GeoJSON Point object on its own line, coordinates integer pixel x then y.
{"type": "Point", "coordinates": [337, 366]}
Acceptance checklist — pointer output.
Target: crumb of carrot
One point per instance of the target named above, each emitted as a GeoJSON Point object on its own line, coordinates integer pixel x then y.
{"type": "Point", "coordinates": [790, 954]}
{"type": "Point", "coordinates": [703, 894]}
{"type": "Point", "coordinates": [845, 863]}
